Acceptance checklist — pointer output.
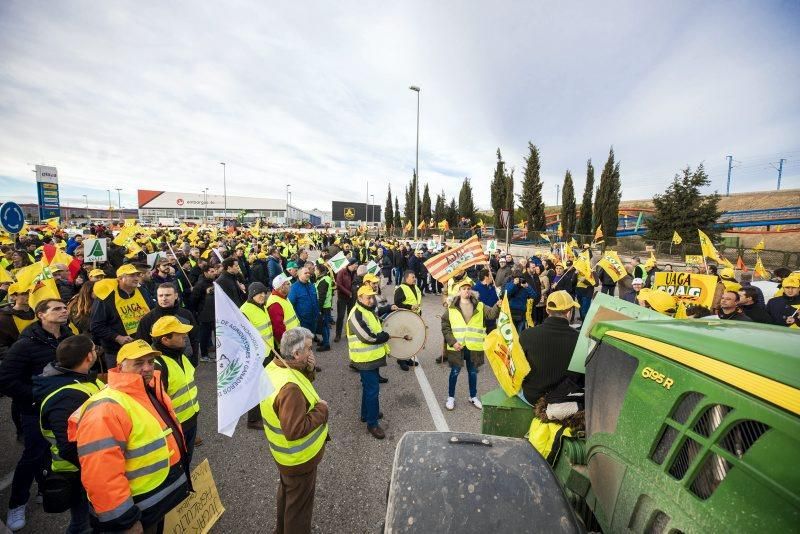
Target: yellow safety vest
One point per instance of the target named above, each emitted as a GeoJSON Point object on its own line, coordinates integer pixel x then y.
{"type": "Point", "coordinates": [361, 352]}
{"type": "Point", "coordinates": [297, 451]}
{"type": "Point", "coordinates": [412, 297]}
{"type": "Point", "coordinates": [21, 323]}
{"type": "Point", "coordinates": [181, 387]}
{"type": "Point", "coordinates": [131, 310]}
{"type": "Point", "coordinates": [546, 438]}
{"type": "Point", "coordinates": [289, 317]}
{"type": "Point", "coordinates": [147, 452]}
{"type": "Point", "coordinates": [329, 295]}
{"type": "Point", "coordinates": [470, 335]}
{"type": "Point", "coordinates": [57, 463]}
{"type": "Point", "coordinates": [259, 318]}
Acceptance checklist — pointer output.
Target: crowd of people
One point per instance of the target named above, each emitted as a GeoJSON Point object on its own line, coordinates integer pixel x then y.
{"type": "Point", "coordinates": [101, 370]}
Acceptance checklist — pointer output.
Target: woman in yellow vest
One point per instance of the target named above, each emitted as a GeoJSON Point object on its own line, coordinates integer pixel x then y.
{"type": "Point", "coordinates": [15, 317]}
{"type": "Point", "coordinates": [464, 330]}
{"type": "Point", "coordinates": [296, 425]}
{"type": "Point", "coordinates": [177, 374]}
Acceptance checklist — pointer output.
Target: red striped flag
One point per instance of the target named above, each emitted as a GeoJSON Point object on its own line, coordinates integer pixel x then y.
{"type": "Point", "coordinates": [446, 265]}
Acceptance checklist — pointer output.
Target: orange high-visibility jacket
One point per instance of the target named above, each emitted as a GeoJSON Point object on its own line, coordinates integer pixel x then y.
{"type": "Point", "coordinates": [130, 458]}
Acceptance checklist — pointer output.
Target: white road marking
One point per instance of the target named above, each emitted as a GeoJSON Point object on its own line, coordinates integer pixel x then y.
{"type": "Point", "coordinates": [433, 406]}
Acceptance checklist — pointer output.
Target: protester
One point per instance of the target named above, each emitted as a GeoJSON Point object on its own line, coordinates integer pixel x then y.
{"type": "Point", "coordinates": [549, 347]}
{"type": "Point", "coordinates": [201, 302]}
{"type": "Point", "coordinates": [116, 316]}
{"type": "Point", "coordinates": [748, 302]}
{"type": "Point", "coordinates": [464, 331]}
{"type": "Point", "coordinates": [62, 388]}
{"type": "Point", "coordinates": [519, 292]}
{"type": "Point", "coordinates": [132, 412]}
{"type": "Point", "coordinates": [168, 304]}
{"type": "Point", "coordinates": [281, 312]}
{"type": "Point", "coordinates": [487, 294]}
{"type": "Point", "coordinates": [303, 296]}
{"type": "Point", "coordinates": [15, 317]}
{"type": "Point", "coordinates": [169, 337]}
{"type": "Point", "coordinates": [295, 423]}
{"type": "Point", "coordinates": [26, 358]}
{"type": "Point", "coordinates": [324, 287]}
{"type": "Point", "coordinates": [785, 309]}
{"type": "Point", "coordinates": [230, 281]}
{"type": "Point", "coordinates": [344, 295]}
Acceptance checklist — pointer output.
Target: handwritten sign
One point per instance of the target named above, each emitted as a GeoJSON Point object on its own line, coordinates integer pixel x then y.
{"type": "Point", "coordinates": [200, 510]}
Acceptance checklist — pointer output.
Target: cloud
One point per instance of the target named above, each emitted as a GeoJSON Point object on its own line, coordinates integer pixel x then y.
{"type": "Point", "coordinates": [152, 95]}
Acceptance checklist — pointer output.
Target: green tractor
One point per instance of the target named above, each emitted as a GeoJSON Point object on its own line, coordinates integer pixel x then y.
{"type": "Point", "coordinates": [691, 426]}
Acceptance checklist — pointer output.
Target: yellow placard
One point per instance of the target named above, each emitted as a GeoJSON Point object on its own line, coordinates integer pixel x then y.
{"type": "Point", "coordinates": [694, 260]}
{"type": "Point", "coordinates": [200, 510]}
{"type": "Point", "coordinates": [688, 287]}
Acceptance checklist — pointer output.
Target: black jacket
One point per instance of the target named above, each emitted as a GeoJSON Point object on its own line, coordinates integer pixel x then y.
{"type": "Point", "coordinates": [548, 348]}
{"type": "Point", "coordinates": [782, 307]}
{"type": "Point", "coordinates": [59, 407]}
{"type": "Point", "coordinates": [8, 328]}
{"type": "Point", "coordinates": [27, 357]}
{"type": "Point", "coordinates": [185, 316]}
{"type": "Point", "coordinates": [758, 313]}
{"type": "Point", "coordinates": [201, 302]}
{"type": "Point", "coordinates": [260, 273]}
{"type": "Point", "coordinates": [229, 284]}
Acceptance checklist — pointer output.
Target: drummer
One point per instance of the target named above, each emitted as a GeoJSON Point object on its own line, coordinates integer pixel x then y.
{"type": "Point", "coordinates": [382, 307]}
{"type": "Point", "coordinates": [408, 297]}
{"type": "Point", "coordinates": [367, 343]}
{"type": "Point", "coordinates": [464, 331]}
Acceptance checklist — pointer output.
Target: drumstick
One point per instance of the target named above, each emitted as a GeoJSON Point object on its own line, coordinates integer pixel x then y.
{"type": "Point", "coordinates": [401, 337]}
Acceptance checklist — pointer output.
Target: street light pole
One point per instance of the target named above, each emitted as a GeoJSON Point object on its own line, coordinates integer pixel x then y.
{"type": "Point", "coordinates": [86, 198]}
{"type": "Point", "coordinates": [224, 192]}
{"type": "Point", "coordinates": [119, 204]}
{"type": "Point", "coordinates": [416, 168]}
{"type": "Point", "coordinates": [110, 207]}
{"type": "Point", "coordinates": [205, 206]}
{"type": "Point", "coordinates": [286, 218]}
{"type": "Point", "coordinates": [372, 206]}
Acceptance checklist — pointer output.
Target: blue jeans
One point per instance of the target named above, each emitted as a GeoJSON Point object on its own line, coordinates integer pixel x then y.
{"type": "Point", "coordinates": [325, 327]}
{"type": "Point", "coordinates": [370, 388]}
{"type": "Point", "coordinates": [472, 375]}
{"type": "Point", "coordinates": [79, 514]}
{"type": "Point", "coordinates": [398, 276]}
{"type": "Point", "coordinates": [521, 325]}
{"type": "Point", "coordinates": [35, 458]}
{"type": "Point", "coordinates": [585, 302]}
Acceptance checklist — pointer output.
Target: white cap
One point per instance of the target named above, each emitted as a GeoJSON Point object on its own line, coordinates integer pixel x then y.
{"type": "Point", "coordinates": [279, 280]}
{"type": "Point", "coordinates": [637, 281]}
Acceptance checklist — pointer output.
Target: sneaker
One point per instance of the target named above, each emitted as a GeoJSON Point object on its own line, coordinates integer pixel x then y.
{"type": "Point", "coordinates": [440, 359]}
{"type": "Point", "coordinates": [16, 518]}
{"type": "Point", "coordinates": [403, 364]}
{"type": "Point", "coordinates": [450, 404]}
{"type": "Point", "coordinates": [323, 348]}
{"type": "Point", "coordinates": [205, 359]}
{"type": "Point", "coordinates": [475, 402]}
{"type": "Point", "coordinates": [382, 379]}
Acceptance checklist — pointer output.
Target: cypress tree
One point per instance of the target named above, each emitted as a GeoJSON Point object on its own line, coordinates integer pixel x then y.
{"type": "Point", "coordinates": [585, 220]}
{"type": "Point", "coordinates": [452, 214]}
{"type": "Point", "coordinates": [388, 211]}
{"type": "Point", "coordinates": [499, 189]}
{"type": "Point", "coordinates": [608, 196]}
{"type": "Point", "coordinates": [425, 206]}
{"type": "Point", "coordinates": [440, 208]}
{"type": "Point", "coordinates": [568, 206]}
{"type": "Point", "coordinates": [684, 209]}
{"type": "Point", "coordinates": [408, 209]}
{"type": "Point", "coordinates": [398, 221]}
{"type": "Point", "coordinates": [532, 205]}
{"type": "Point", "coordinates": [466, 204]}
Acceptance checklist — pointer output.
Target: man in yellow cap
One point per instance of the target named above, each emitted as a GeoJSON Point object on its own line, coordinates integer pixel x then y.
{"type": "Point", "coordinates": [133, 456]}
{"type": "Point", "coordinates": [367, 344]}
{"type": "Point", "coordinates": [116, 317]}
{"type": "Point", "coordinates": [658, 300]}
{"type": "Point", "coordinates": [14, 317]}
{"type": "Point", "coordinates": [785, 309]}
{"type": "Point", "coordinates": [96, 274]}
{"type": "Point", "coordinates": [177, 374]}
{"type": "Point", "coordinates": [549, 347]}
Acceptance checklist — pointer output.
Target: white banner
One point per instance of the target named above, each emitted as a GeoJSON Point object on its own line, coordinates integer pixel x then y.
{"type": "Point", "coordinates": [242, 382]}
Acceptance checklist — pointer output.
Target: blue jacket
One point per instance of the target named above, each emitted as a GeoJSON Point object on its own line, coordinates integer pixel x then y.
{"type": "Point", "coordinates": [304, 299]}
{"type": "Point", "coordinates": [486, 294]}
{"type": "Point", "coordinates": [518, 296]}
{"type": "Point", "coordinates": [274, 268]}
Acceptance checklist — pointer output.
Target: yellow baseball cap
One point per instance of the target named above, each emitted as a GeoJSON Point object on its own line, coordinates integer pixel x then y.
{"type": "Point", "coordinates": [659, 300]}
{"type": "Point", "coordinates": [793, 280]}
{"type": "Point", "coordinates": [136, 349]}
{"type": "Point", "coordinates": [366, 290]}
{"type": "Point", "coordinates": [561, 301]}
{"type": "Point", "coordinates": [17, 289]}
{"type": "Point", "coordinates": [128, 268]}
{"type": "Point", "coordinates": [727, 274]}
{"type": "Point", "coordinates": [467, 281]}
{"type": "Point", "coordinates": [169, 324]}
{"type": "Point", "coordinates": [96, 272]}
{"type": "Point", "coordinates": [369, 277]}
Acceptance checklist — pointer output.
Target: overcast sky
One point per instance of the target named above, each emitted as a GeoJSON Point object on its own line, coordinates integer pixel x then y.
{"type": "Point", "coordinates": [153, 94]}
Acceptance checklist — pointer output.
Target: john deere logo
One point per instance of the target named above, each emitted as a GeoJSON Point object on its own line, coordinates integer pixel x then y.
{"type": "Point", "coordinates": [349, 213]}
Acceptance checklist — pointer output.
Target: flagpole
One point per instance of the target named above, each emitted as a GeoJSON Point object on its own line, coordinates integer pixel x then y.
{"type": "Point", "coordinates": [179, 265]}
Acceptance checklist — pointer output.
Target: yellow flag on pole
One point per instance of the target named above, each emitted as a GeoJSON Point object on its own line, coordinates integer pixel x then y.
{"type": "Point", "coordinates": [612, 265]}
{"type": "Point", "coordinates": [649, 264]}
{"type": "Point", "coordinates": [676, 239]}
{"type": "Point", "coordinates": [408, 227]}
{"type": "Point", "coordinates": [584, 267]}
{"type": "Point", "coordinates": [544, 236]}
{"type": "Point", "coordinates": [504, 353]}
{"type": "Point", "coordinates": [598, 235]}
{"type": "Point", "coordinates": [760, 246]}
{"type": "Point", "coordinates": [759, 269]}
{"type": "Point", "coordinates": [709, 251]}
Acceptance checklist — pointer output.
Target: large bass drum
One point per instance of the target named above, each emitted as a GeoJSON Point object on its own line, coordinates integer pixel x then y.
{"type": "Point", "coordinates": [401, 323]}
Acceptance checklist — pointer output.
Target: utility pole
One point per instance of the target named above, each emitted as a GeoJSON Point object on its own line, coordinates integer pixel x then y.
{"type": "Point", "coordinates": [558, 192]}
{"type": "Point", "coordinates": [119, 203]}
{"type": "Point", "coordinates": [779, 168]}
{"type": "Point", "coordinates": [416, 168]}
{"type": "Point", "coordinates": [366, 206]}
{"type": "Point", "coordinates": [730, 166]}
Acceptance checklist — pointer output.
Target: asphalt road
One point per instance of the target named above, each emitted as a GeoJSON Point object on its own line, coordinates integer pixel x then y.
{"type": "Point", "coordinates": [353, 477]}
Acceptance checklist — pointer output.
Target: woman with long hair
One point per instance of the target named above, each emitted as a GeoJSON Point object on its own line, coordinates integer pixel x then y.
{"type": "Point", "coordinates": [80, 308]}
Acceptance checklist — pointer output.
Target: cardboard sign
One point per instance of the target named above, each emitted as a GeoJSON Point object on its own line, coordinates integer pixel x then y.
{"type": "Point", "coordinates": [95, 250]}
{"type": "Point", "coordinates": [200, 510]}
{"type": "Point", "coordinates": [689, 287]}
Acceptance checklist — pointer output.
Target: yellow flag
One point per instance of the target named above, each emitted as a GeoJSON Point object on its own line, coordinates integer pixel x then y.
{"type": "Point", "coordinates": [598, 235]}
{"type": "Point", "coordinates": [480, 223]}
{"type": "Point", "coordinates": [422, 226]}
{"type": "Point", "coordinates": [38, 278]}
{"type": "Point", "coordinates": [676, 239]}
{"type": "Point", "coordinates": [52, 222]}
{"type": "Point", "coordinates": [726, 262]}
{"type": "Point", "coordinates": [759, 269]}
{"type": "Point", "coordinates": [446, 226]}
{"type": "Point", "coordinates": [612, 265]}
{"type": "Point", "coordinates": [680, 312]}
{"type": "Point", "coordinates": [708, 248]}
{"type": "Point", "coordinates": [560, 231]}
{"type": "Point", "coordinates": [130, 222]}
{"type": "Point", "coordinates": [504, 353]}
{"type": "Point", "coordinates": [5, 277]}
{"type": "Point", "coordinates": [408, 227]}
{"type": "Point", "coordinates": [544, 236]}
{"type": "Point", "coordinates": [649, 264]}
{"type": "Point", "coordinates": [760, 246]}
{"type": "Point", "coordinates": [522, 224]}
{"type": "Point", "coordinates": [573, 243]}
{"type": "Point", "coordinates": [584, 267]}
